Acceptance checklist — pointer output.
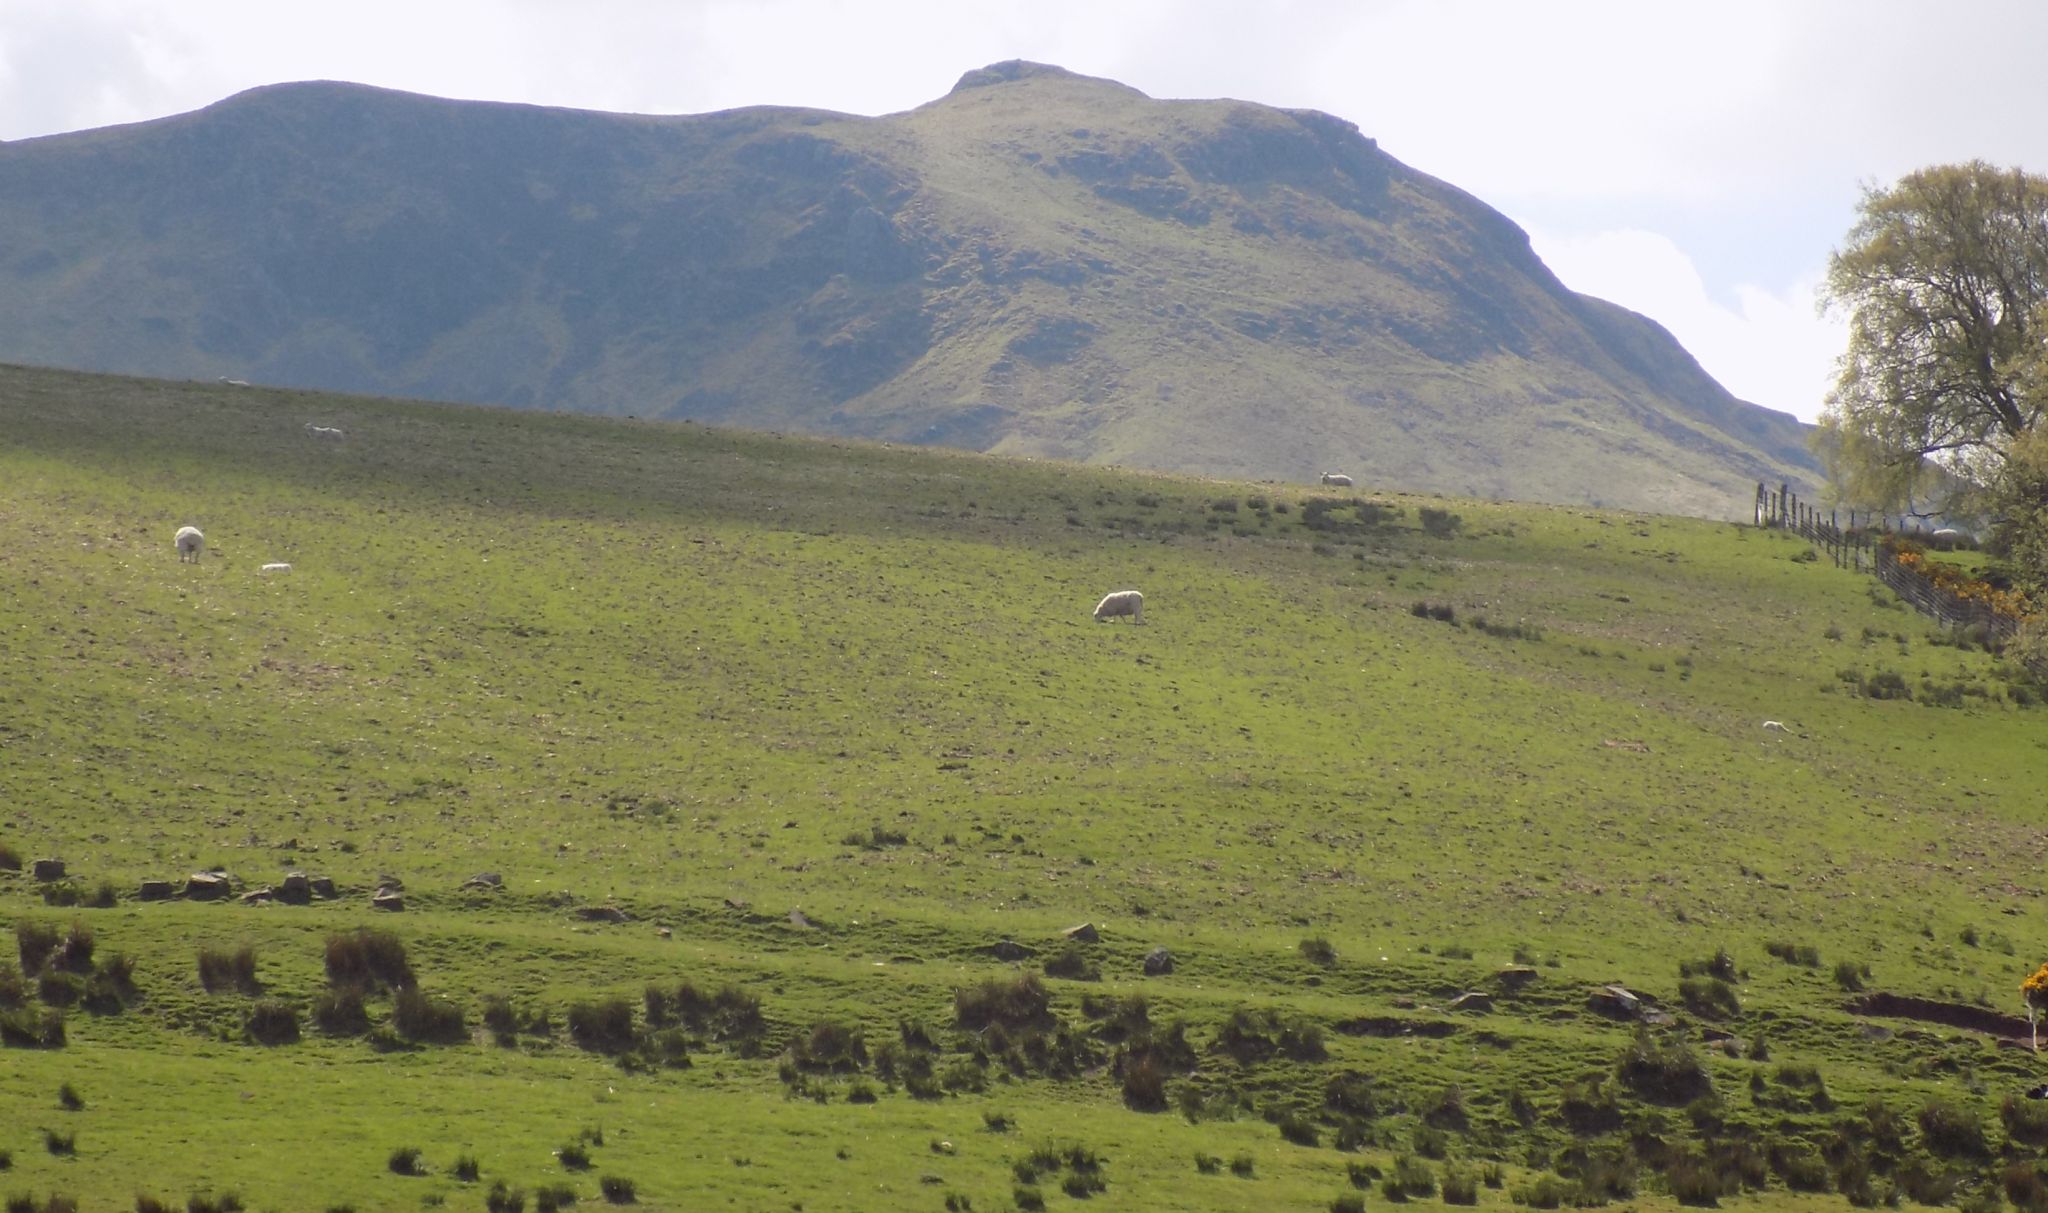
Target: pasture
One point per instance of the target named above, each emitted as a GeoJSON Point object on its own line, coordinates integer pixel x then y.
{"type": "Point", "coordinates": [823, 724]}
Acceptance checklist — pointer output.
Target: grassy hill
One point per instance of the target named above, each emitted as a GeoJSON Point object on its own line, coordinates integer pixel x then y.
{"type": "Point", "coordinates": [823, 724]}
{"type": "Point", "coordinates": [1038, 263]}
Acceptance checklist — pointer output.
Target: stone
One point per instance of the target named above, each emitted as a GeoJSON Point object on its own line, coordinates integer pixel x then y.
{"type": "Point", "coordinates": [484, 880]}
{"type": "Point", "coordinates": [664, 933]}
{"type": "Point", "coordinates": [387, 899]}
{"type": "Point", "coordinates": [47, 869]}
{"type": "Point", "coordinates": [157, 890]}
{"type": "Point", "coordinates": [208, 886]}
{"type": "Point", "coordinates": [1473, 1000]}
{"type": "Point", "coordinates": [600, 913]}
{"type": "Point", "coordinates": [323, 887]}
{"type": "Point", "coordinates": [797, 919]}
{"type": "Point", "coordinates": [296, 889]}
{"type": "Point", "coordinates": [392, 883]}
{"type": "Point", "coordinates": [257, 897]}
{"type": "Point", "coordinates": [1158, 962]}
{"type": "Point", "coordinates": [1085, 933]}
{"type": "Point", "coordinates": [1010, 950]}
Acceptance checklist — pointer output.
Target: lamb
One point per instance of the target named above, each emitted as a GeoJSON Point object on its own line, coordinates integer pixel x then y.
{"type": "Point", "coordinates": [326, 432]}
{"type": "Point", "coordinates": [277, 566]}
{"type": "Point", "coordinates": [1337, 480]}
{"type": "Point", "coordinates": [1121, 602]}
{"type": "Point", "coordinates": [190, 543]}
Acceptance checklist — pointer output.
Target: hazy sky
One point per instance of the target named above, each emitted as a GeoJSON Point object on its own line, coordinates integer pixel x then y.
{"type": "Point", "coordinates": [1694, 161]}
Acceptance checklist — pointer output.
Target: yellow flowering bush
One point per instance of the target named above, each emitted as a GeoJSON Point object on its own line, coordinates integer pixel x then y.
{"type": "Point", "coordinates": [1958, 581]}
{"type": "Point", "coordinates": [2035, 989]}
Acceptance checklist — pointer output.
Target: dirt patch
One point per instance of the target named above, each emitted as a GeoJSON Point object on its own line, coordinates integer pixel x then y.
{"type": "Point", "coordinates": [1949, 1014]}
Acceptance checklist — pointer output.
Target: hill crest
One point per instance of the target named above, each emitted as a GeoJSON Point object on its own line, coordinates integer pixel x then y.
{"type": "Point", "coordinates": [1037, 263]}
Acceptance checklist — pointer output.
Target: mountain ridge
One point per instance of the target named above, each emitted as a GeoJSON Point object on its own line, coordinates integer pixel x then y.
{"type": "Point", "coordinates": [1036, 263]}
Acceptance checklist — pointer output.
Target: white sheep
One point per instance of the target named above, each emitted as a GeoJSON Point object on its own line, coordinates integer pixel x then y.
{"type": "Point", "coordinates": [1775, 726]}
{"type": "Point", "coordinates": [189, 543]}
{"type": "Point", "coordinates": [277, 566]}
{"type": "Point", "coordinates": [1121, 602]}
{"type": "Point", "coordinates": [325, 432]}
{"type": "Point", "coordinates": [1337, 480]}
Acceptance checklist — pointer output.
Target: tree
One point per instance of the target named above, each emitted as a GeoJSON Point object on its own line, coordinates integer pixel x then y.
{"type": "Point", "coordinates": [1945, 281]}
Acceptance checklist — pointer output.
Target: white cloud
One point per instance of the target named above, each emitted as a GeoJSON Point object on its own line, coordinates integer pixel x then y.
{"type": "Point", "coordinates": [1765, 344]}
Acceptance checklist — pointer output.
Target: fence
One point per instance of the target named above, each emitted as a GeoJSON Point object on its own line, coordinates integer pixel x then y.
{"type": "Point", "coordinates": [1857, 547]}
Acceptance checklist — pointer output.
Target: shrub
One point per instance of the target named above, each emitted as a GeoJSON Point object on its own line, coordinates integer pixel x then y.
{"type": "Point", "coordinates": [1028, 1199]}
{"type": "Point", "coordinates": [574, 1157]}
{"type": "Point", "coordinates": [1850, 976]}
{"type": "Point", "coordinates": [1543, 1192]}
{"type": "Point", "coordinates": [1460, 1187]}
{"type": "Point", "coordinates": [1440, 524]}
{"type": "Point", "coordinates": [369, 960]}
{"type": "Point", "coordinates": [341, 1013]}
{"type": "Point", "coordinates": [221, 969]}
{"type": "Point", "coordinates": [1801, 1167]}
{"type": "Point", "coordinates": [616, 1190]}
{"type": "Point", "coordinates": [1144, 1082]}
{"type": "Point", "coordinates": [831, 1047]}
{"type": "Point", "coordinates": [417, 1017]}
{"type": "Point", "coordinates": [1952, 1130]}
{"type": "Point", "coordinates": [69, 1099]}
{"type": "Point", "coordinates": [1362, 1174]}
{"type": "Point", "coordinates": [1256, 1034]}
{"type": "Point", "coordinates": [1207, 1164]}
{"type": "Point", "coordinates": [1350, 1203]}
{"type": "Point", "coordinates": [1019, 1004]}
{"type": "Point", "coordinates": [501, 1199]}
{"type": "Point", "coordinates": [1241, 1166]}
{"type": "Point", "coordinates": [1073, 964]}
{"type": "Point", "coordinates": [1666, 1072]}
{"type": "Point", "coordinates": [10, 859]}
{"type": "Point", "coordinates": [34, 941]}
{"type": "Point", "coordinates": [2025, 1120]}
{"type": "Point", "coordinates": [60, 988]}
{"type": "Point", "coordinates": [272, 1022]}
{"type": "Point", "coordinates": [145, 1203]}
{"type": "Point", "coordinates": [1300, 1130]}
{"type": "Point", "coordinates": [1318, 951]}
{"type": "Point", "coordinates": [549, 1198]}
{"type": "Point", "coordinates": [32, 1028]}
{"type": "Point", "coordinates": [405, 1160]}
{"type": "Point", "coordinates": [1692, 1180]}
{"type": "Point", "coordinates": [1804, 955]}
{"type": "Point", "coordinates": [465, 1168]}
{"type": "Point", "coordinates": [2023, 1187]}
{"type": "Point", "coordinates": [1415, 1177]}
{"type": "Point", "coordinates": [602, 1025]}
{"type": "Point", "coordinates": [1711, 997]}
{"type": "Point", "coordinates": [1886, 684]}
{"type": "Point", "coordinates": [62, 1145]}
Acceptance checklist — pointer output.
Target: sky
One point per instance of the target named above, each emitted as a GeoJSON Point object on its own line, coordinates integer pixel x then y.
{"type": "Point", "coordinates": [1696, 162]}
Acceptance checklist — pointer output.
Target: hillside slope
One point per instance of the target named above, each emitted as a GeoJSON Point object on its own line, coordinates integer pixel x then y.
{"type": "Point", "coordinates": [639, 717]}
{"type": "Point", "coordinates": [1038, 263]}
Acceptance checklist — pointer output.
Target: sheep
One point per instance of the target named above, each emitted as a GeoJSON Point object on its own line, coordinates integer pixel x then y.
{"type": "Point", "coordinates": [1947, 539]}
{"type": "Point", "coordinates": [234, 382]}
{"type": "Point", "coordinates": [189, 543]}
{"type": "Point", "coordinates": [1337, 480]}
{"type": "Point", "coordinates": [1775, 726]}
{"type": "Point", "coordinates": [277, 566]}
{"type": "Point", "coordinates": [327, 432]}
{"type": "Point", "coordinates": [1121, 602]}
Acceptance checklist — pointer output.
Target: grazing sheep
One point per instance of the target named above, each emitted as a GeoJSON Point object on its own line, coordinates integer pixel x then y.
{"type": "Point", "coordinates": [1121, 602]}
{"type": "Point", "coordinates": [326, 432]}
{"type": "Point", "coordinates": [277, 566]}
{"type": "Point", "coordinates": [190, 543]}
{"type": "Point", "coordinates": [1947, 539]}
{"type": "Point", "coordinates": [1776, 726]}
{"type": "Point", "coordinates": [234, 382]}
{"type": "Point", "coordinates": [1337, 480]}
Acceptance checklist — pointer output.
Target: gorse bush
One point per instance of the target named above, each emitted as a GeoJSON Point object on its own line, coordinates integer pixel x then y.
{"type": "Point", "coordinates": [272, 1022]}
{"type": "Point", "coordinates": [1020, 1004]}
{"type": "Point", "coordinates": [602, 1025]}
{"type": "Point", "coordinates": [1801, 954]}
{"type": "Point", "coordinates": [417, 1017]}
{"type": "Point", "coordinates": [1664, 1071]}
{"type": "Point", "coordinates": [341, 1012]}
{"type": "Point", "coordinates": [34, 942]}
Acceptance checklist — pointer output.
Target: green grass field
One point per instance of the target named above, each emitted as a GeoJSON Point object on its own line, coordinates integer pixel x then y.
{"type": "Point", "coordinates": [708, 678]}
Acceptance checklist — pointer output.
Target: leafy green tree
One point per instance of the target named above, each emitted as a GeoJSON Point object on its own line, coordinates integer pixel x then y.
{"type": "Point", "coordinates": [1945, 281]}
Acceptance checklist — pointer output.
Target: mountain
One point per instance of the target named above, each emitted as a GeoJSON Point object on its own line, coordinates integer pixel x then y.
{"type": "Point", "coordinates": [1038, 263]}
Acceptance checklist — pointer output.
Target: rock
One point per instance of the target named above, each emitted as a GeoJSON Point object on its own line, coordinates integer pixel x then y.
{"type": "Point", "coordinates": [47, 869]}
{"type": "Point", "coordinates": [797, 919]}
{"type": "Point", "coordinates": [1616, 1002]}
{"type": "Point", "coordinates": [387, 899]}
{"type": "Point", "coordinates": [1472, 1000]}
{"type": "Point", "coordinates": [392, 883]}
{"type": "Point", "coordinates": [1514, 978]}
{"type": "Point", "coordinates": [157, 890]}
{"type": "Point", "coordinates": [296, 889]}
{"type": "Point", "coordinates": [1085, 933]}
{"type": "Point", "coordinates": [663, 933]}
{"type": "Point", "coordinates": [257, 897]}
{"type": "Point", "coordinates": [484, 880]}
{"type": "Point", "coordinates": [208, 886]}
{"type": "Point", "coordinates": [600, 913]}
{"type": "Point", "coordinates": [1010, 950]}
{"type": "Point", "coordinates": [323, 887]}
{"type": "Point", "coordinates": [1158, 962]}
{"type": "Point", "coordinates": [739, 904]}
